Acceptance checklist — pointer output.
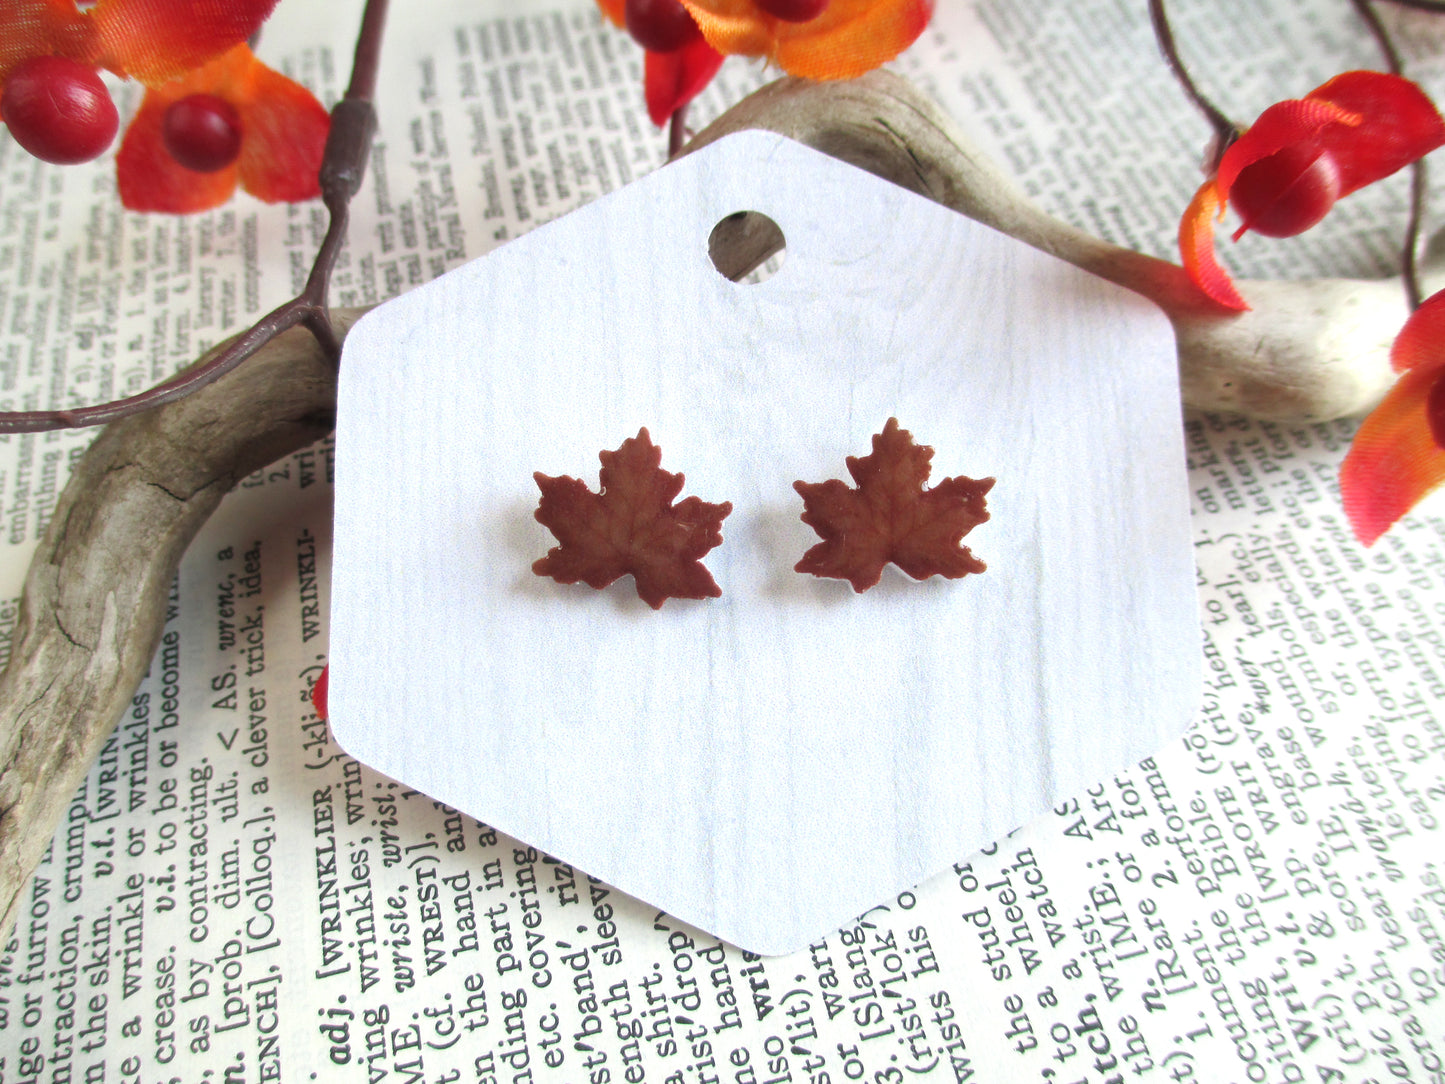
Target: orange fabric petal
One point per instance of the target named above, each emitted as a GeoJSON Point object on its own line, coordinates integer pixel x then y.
{"type": "Point", "coordinates": [284, 132]}
{"type": "Point", "coordinates": [283, 136]}
{"type": "Point", "coordinates": [671, 80]}
{"type": "Point", "coordinates": [157, 40]}
{"type": "Point", "coordinates": [1196, 246]}
{"type": "Point", "coordinates": [1394, 460]}
{"type": "Point", "coordinates": [849, 38]}
{"type": "Point", "coordinates": [42, 27]}
{"type": "Point", "coordinates": [615, 10]}
{"type": "Point", "coordinates": [150, 40]}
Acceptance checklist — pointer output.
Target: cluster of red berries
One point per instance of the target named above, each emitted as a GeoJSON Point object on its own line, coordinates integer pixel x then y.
{"type": "Point", "coordinates": [664, 26]}
{"type": "Point", "coordinates": [60, 111]}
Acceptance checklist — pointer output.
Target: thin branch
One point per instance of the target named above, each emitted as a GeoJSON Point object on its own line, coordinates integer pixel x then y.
{"type": "Point", "coordinates": [1414, 248]}
{"type": "Point", "coordinates": [343, 165]}
{"type": "Point", "coordinates": [1437, 6]}
{"type": "Point", "coordinates": [1411, 249]}
{"type": "Point", "coordinates": [677, 131]}
{"type": "Point", "coordinates": [367, 57]}
{"type": "Point", "coordinates": [1371, 19]}
{"type": "Point", "coordinates": [1225, 130]}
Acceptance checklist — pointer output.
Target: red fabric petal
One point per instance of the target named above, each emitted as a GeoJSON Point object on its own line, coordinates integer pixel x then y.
{"type": "Point", "coordinates": [1282, 125]}
{"type": "Point", "coordinates": [1196, 247]}
{"type": "Point", "coordinates": [157, 40]}
{"type": "Point", "coordinates": [1394, 460]}
{"type": "Point", "coordinates": [671, 80]}
{"type": "Point", "coordinates": [283, 135]}
{"type": "Point", "coordinates": [1421, 342]}
{"type": "Point", "coordinates": [1370, 123]}
{"type": "Point", "coordinates": [1399, 124]}
{"type": "Point", "coordinates": [318, 692]}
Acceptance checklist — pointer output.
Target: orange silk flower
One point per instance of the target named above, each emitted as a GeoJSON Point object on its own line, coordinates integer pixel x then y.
{"type": "Point", "coordinates": [848, 38]}
{"type": "Point", "coordinates": [1398, 455]}
{"type": "Point", "coordinates": [1287, 170]}
{"type": "Point", "coordinates": [283, 136]}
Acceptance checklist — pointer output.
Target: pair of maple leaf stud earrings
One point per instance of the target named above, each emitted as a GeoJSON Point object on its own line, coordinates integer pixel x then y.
{"type": "Point", "coordinates": [632, 526]}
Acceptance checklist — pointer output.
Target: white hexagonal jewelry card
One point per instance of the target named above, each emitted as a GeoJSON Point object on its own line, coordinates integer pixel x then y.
{"type": "Point", "coordinates": [711, 756]}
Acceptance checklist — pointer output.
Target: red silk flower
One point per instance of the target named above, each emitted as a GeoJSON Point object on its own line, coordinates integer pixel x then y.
{"type": "Point", "coordinates": [848, 37]}
{"type": "Point", "coordinates": [1398, 455]}
{"type": "Point", "coordinates": [1287, 170]}
{"type": "Point", "coordinates": [282, 131]}
{"type": "Point", "coordinates": [670, 78]}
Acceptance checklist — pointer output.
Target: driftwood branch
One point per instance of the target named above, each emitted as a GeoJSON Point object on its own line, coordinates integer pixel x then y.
{"type": "Point", "coordinates": [95, 595]}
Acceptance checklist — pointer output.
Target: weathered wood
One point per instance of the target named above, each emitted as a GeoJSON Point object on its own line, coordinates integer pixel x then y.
{"type": "Point", "coordinates": [95, 595]}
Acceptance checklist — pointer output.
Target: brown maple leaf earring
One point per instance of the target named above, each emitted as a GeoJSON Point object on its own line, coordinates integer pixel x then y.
{"type": "Point", "coordinates": [630, 526]}
{"type": "Point", "coordinates": [891, 516]}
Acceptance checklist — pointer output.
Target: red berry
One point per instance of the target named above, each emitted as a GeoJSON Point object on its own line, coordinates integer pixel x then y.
{"type": "Point", "coordinates": [660, 26]}
{"type": "Point", "coordinates": [58, 110]}
{"type": "Point", "coordinates": [794, 11]}
{"type": "Point", "coordinates": [202, 132]}
{"type": "Point", "coordinates": [1286, 193]}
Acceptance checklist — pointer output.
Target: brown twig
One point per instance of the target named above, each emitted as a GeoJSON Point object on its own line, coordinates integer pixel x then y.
{"type": "Point", "coordinates": [1371, 19]}
{"type": "Point", "coordinates": [1225, 130]}
{"type": "Point", "coordinates": [343, 165]}
{"type": "Point", "coordinates": [677, 131]}
{"type": "Point", "coordinates": [1410, 251]}
{"type": "Point", "coordinates": [1414, 248]}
